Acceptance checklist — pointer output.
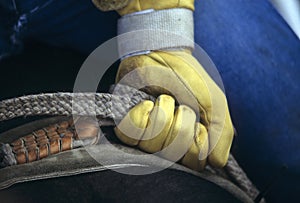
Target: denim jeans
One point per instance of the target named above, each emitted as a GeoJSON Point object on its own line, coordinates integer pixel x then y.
{"type": "Point", "coordinates": [256, 53]}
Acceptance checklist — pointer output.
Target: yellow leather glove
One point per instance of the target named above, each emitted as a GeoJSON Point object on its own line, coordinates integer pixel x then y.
{"type": "Point", "coordinates": [178, 74]}
{"type": "Point", "coordinates": [154, 127]}
{"type": "Point", "coordinates": [140, 5]}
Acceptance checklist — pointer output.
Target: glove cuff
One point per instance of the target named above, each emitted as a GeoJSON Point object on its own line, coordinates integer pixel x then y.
{"type": "Point", "coordinates": [149, 30]}
{"type": "Point", "coordinates": [140, 5]}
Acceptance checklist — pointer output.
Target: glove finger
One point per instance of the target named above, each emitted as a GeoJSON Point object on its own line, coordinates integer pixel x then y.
{"type": "Point", "coordinates": [220, 143]}
{"type": "Point", "coordinates": [161, 119]}
{"type": "Point", "coordinates": [195, 158]}
{"type": "Point", "coordinates": [180, 136]}
{"type": "Point", "coordinates": [131, 129]}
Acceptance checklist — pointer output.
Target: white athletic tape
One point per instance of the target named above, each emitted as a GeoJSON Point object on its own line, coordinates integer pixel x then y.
{"type": "Point", "coordinates": [149, 30]}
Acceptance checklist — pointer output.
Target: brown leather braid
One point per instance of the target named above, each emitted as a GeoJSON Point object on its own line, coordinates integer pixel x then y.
{"type": "Point", "coordinates": [54, 139]}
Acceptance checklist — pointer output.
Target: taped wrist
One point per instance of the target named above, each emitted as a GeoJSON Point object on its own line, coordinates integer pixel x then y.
{"type": "Point", "coordinates": [149, 30]}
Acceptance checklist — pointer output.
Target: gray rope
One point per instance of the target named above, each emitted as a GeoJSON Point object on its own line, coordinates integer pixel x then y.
{"type": "Point", "coordinates": [113, 106]}
{"type": "Point", "coordinates": [104, 105]}
{"type": "Point", "coordinates": [240, 178]}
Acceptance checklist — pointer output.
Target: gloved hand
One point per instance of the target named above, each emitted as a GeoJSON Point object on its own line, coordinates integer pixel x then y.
{"type": "Point", "coordinates": [153, 127]}
{"type": "Point", "coordinates": [178, 74]}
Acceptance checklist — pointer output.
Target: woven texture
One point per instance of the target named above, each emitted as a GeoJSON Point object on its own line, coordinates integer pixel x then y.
{"type": "Point", "coordinates": [53, 139]}
{"type": "Point", "coordinates": [65, 104]}
{"type": "Point", "coordinates": [113, 106]}
{"type": "Point", "coordinates": [237, 174]}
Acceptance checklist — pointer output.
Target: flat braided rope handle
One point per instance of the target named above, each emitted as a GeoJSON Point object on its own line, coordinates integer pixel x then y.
{"type": "Point", "coordinates": [104, 105]}
{"type": "Point", "coordinates": [114, 106]}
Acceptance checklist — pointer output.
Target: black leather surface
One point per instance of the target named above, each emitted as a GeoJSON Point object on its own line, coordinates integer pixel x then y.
{"type": "Point", "coordinates": [109, 186]}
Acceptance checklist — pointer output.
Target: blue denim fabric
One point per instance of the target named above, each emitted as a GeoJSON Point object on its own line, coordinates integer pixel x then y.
{"type": "Point", "coordinates": [73, 24]}
{"type": "Point", "coordinates": [257, 54]}
{"type": "Point", "coordinates": [258, 57]}
{"type": "Point", "coordinates": [8, 15]}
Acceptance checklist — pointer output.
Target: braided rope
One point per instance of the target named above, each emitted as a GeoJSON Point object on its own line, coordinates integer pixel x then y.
{"type": "Point", "coordinates": [238, 175]}
{"type": "Point", "coordinates": [65, 104]}
{"type": "Point", "coordinates": [100, 104]}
